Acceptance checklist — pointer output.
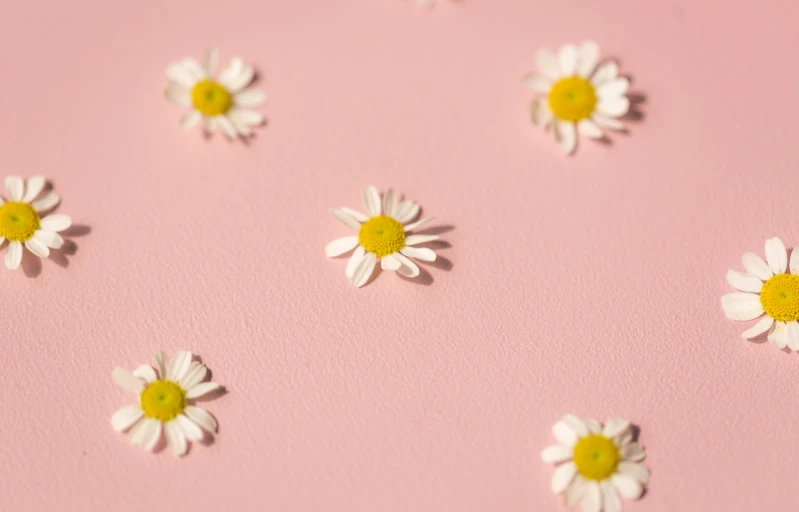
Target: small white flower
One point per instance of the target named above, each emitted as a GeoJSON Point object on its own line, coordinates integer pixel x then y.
{"type": "Point", "coordinates": [165, 403]}
{"type": "Point", "coordinates": [383, 235]}
{"type": "Point", "coordinates": [767, 288]}
{"type": "Point", "coordinates": [575, 96]}
{"type": "Point", "coordinates": [219, 101]}
{"type": "Point", "coordinates": [20, 221]}
{"type": "Point", "coordinates": [596, 463]}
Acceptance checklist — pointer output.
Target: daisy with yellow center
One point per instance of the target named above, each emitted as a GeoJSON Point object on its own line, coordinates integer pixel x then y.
{"type": "Point", "coordinates": [165, 403]}
{"type": "Point", "coordinates": [21, 222]}
{"type": "Point", "coordinates": [220, 102]}
{"type": "Point", "coordinates": [596, 463]}
{"type": "Point", "coordinates": [766, 288]}
{"type": "Point", "coordinates": [384, 234]}
{"type": "Point", "coordinates": [577, 96]}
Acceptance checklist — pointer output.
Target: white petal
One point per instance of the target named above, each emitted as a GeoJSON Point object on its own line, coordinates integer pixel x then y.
{"type": "Point", "coordinates": [741, 306]}
{"type": "Point", "coordinates": [613, 107]}
{"type": "Point", "coordinates": [635, 471]}
{"type": "Point", "coordinates": [792, 335]}
{"type": "Point", "coordinates": [175, 439]}
{"type": "Point", "coordinates": [548, 64]}
{"type": "Point", "coordinates": [419, 239]}
{"type": "Point", "coordinates": [248, 117]}
{"type": "Point", "coordinates": [627, 486]}
{"type": "Point", "coordinates": [177, 95]}
{"type": "Point", "coordinates": [209, 125]}
{"type": "Point", "coordinates": [56, 222]}
{"type": "Point", "coordinates": [201, 389]}
{"type": "Point", "coordinates": [744, 282]}
{"type": "Point", "coordinates": [237, 83]}
{"type": "Point", "coordinates": [588, 57]}
{"type": "Point", "coordinates": [633, 452]}
{"type": "Point", "coordinates": [33, 188]}
{"type": "Point", "coordinates": [588, 128]}
{"type": "Point", "coordinates": [233, 69]}
{"type": "Point", "coordinates": [146, 373]}
{"type": "Point", "coordinates": [592, 498]}
{"type": "Point", "coordinates": [226, 126]}
{"type": "Point", "coordinates": [615, 426]}
{"type": "Point", "coordinates": [794, 266]}
{"type": "Point", "coordinates": [540, 113]}
{"type": "Point", "coordinates": [389, 202]}
{"type": "Point", "coordinates": [136, 433]}
{"type": "Point", "coordinates": [759, 328]}
{"type": "Point", "coordinates": [777, 335]}
{"type": "Point", "coordinates": [180, 363]}
{"type": "Point", "coordinates": [46, 202]}
{"type": "Point", "coordinates": [575, 492]}
{"type": "Point", "coordinates": [127, 381]}
{"type": "Point", "coordinates": [354, 260]}
{"type": "Point", "coordinates": [406, 211]}
{"type": "Point", "coordinates": [242, 128]}
{"type": "Point", "coordinates": [414, 225]}
{"type": "Point", "coordinates": [420, 253]}
{"type": "Point", "coordinates": [364, 270]}
{"type": "Point", "coordinates": [557, 453]}
{"type": "Point", "coordinates": [189, 428]}
{"type": "Point", "coordinates": [606, 71]}
{"type": "Point", "coordinates": [250, 98]}
{"type": "Point", "coordinates": [126, 416]}
{"type": "Point", "coordinates": [211, 61]}
{"type": "Point", "coordinates": [408, 268]}
{"type": "Point", "coordinates": [190, 119]}
{"type": "Point", "coordinates": [563, 476]}
{"type": "Point", "coordinates": [201, 417]}
{"type": "Point", "coordinates": [390, 263]}
{"type": "Point", "coordinates": [755, 265]}
{"type": "Point", "coordinates": [576, 424]}
{"type": "Point", "coordinates": [613, 88]}
{"type": "Point", "coordinates": [15, 188]}
{"type": "Point", "coordinates": [538, 83]}
{"type": "Point", "coordinates": [607, 122]}
{"type": "Point", "coordinates": [564, 433]}
{"type": "Point", "coordinates": [371, 199]}
{"type": "Point", "coordinates": [194, 69]}
{"type": "Point", "coordinates": [37, 247]}
{"type": "Point", "coordinates": [340, 246]}
{"type": "Point", "coordinates": [566, 135]}
{"type": "Point", "coordinates": [593, 425]}
{"type": "Point", "coordinates": [177, 73]}
{"type": "Point", "coordinates": [162, 361]}
{"type": "Point", "coordinates": [194, 376]}
{"type": "Point", "coordinates": [776, 255]}
{"type": "Point", "coordinates": [345, 218]}
{"type": "Point", "coordinates": [13, 255]}
{"type": "Point", "coordinates": [610, 498]}
{"type": "Point", "coordinates": [355, 214]}
{"type": "Point", "coordinates": [567, 58]}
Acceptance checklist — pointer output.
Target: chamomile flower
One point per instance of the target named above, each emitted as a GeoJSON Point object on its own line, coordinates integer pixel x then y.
{"type": "Point", "coordinates": [165, 403]}
{"type": "Point", "coordinates": [21, 222]}
{"type": "Point", "coordinates": [766, 288]}
{"type": "Point", "coordinates": [219, 101]}
{"type": "Point", "coordinates": [596, 463]}
{"type": "Point", "coordinates": [384, 234]}
{"type": "Point", "coordinates": [575, 95]}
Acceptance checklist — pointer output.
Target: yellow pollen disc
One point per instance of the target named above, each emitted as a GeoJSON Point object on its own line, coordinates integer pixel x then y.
{"type": "Point", "coordinates": [572, 98]}
{"type": "Point", "coordinates": [18, 221]}
{"type": "Point", "coordinates": [596, 457]}
{"type": "Point", "coordinates": [163, 400]}
{"type": "Point", "coordinates": [382, 236]}
{"type": "Point", "coordinates": [780, 297]}
{"type": "Point", "coordinates": [210, 98]}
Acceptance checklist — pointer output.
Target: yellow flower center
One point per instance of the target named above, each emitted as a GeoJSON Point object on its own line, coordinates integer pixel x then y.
{"type": "Point", "coordinates": [18, 221]}
{"type": "Point", "coordinates": [780, 297]}
{"type": "Point", "coordinates": [210, 98]}
{"type": "Point", "coordinates": [572, 98]}
{"type": "Point", "coordinates": [382, 236]}
{"type": "Point", "coordinates": [163, 400]}
{"type": "Point", "coordinates": [596, 457]}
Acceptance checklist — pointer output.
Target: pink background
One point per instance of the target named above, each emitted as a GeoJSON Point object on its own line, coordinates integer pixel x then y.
{"type": "Point", "coordinates": [587, 284]}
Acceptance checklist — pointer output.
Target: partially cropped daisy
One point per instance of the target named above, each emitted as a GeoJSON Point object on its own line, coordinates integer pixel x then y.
{"type": "Point", "coordinates": [575, 95]}
{"type": "Point", "coordinates": [165, 403]}
{"type": "Point", "coordinates": [21, 222]}
{"type": "Point", "coordinates": [384, 234]}
{"type": "Point", "coordinates": [219, 101]}
{"type": "Point", "coordinates": [596, 463]}
{"type": "Point", "coordinates": [767, 288]}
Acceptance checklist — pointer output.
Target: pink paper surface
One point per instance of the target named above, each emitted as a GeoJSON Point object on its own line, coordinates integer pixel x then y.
{"type": "Point", "coordinates": [588, 284]}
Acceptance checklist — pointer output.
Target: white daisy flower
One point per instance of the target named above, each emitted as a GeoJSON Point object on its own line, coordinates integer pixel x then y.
{"type": "Point", "coordinates": [767, 288]}
{"type": "Point", "coordinates": [383, 235]}
{"type": "Point", "coordinates": [20, 221]}
{"type": "Point", "coordinates": [219, 101]}
{"type": "Point", "coordinates": [165, 403]}
{"type": "Point", "coordinates": [575, 96]}
{"type": "Point", "coordinates": [596, 463]}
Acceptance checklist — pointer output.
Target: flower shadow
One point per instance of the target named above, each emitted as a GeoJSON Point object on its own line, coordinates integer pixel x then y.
{"type": "Point", "coordinates": [32, 265]}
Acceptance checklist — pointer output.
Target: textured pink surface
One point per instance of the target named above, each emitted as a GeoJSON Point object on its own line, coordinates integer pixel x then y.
{"type": "Point", "coordinates": [587, 284]}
